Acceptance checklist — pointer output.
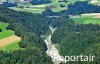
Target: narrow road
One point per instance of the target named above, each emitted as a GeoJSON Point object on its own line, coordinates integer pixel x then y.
{"type": "Point", "coordinates": [52, 50]}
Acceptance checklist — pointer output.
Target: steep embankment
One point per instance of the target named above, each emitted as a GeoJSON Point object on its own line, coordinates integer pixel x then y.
{"type": "Point", "coordinates": [78, 39]}
{"type": "Point", "coordinates": [29, 27]}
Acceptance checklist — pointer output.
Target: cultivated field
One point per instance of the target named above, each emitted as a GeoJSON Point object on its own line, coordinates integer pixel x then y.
{"type": "Point", "coordinates": [31, 8]}
{"type": "Point", "coordinates": [41, 7]}
{"type": "Point", "coordinates": [3, 32]}
{"type": "Point", "coordinates": [93, 15]}
{"type": "Point", "coordinates": [3, 26]}
{"type": "Point", "coordinates": [93, 18]}
{"type": "Point", "coordinates": [8, 39]}
{"type": "Point", "coordinates": [6, 33]}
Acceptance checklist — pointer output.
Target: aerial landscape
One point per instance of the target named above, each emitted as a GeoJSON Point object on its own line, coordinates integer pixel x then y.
{"type": "Point", "coordinates": [49, 31]}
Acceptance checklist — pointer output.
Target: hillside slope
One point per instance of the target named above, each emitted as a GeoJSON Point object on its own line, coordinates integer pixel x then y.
{"type": "Point", "coordinates": [73, 39]}
{"type": "Point", "coordinates": [29, 27]}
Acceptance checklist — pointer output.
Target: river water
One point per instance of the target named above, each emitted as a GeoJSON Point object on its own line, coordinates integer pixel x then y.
{"type": "Point", "coordinates": [52, 51]}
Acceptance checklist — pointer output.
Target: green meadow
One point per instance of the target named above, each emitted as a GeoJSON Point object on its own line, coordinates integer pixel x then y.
{"type": "Point", "coordinates": [4, 33]}
{"type": "Point", "coordinates": [3, 26]}
{"type": "Point", "coordinates": [41, 7]}
{"type": "Point", "coordinates": [12, 46]}
{"type": "Point", "coordinates": [86, 20]}
{"type": "Point", "coordinates": [30, 8]}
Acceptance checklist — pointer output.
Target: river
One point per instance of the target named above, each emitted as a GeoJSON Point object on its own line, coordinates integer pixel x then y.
{"type": "Point", "coordinates": [52, 51]}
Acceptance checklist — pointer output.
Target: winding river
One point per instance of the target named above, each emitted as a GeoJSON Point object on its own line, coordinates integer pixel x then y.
{"type": "Point", "coordinates": [52, 51]}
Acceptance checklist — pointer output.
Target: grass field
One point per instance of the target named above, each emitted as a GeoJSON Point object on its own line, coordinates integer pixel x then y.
{"type": "Point", "coordinates": [32, 10]}
{"type": "Point", "coordinates": [6, 41]}
{"type": "Point", "coordinates": [5, 33]}
{"type": "Point", "coordinates": [3, 26]}
{"type": "Point", "coordinates": [58, 8]}
{"type": "Point", "coordinates": [12, 46]}
{"type": "Point", "coordinates": [41, 7]}
{"type": "Point", "coordinates": [87, 19]}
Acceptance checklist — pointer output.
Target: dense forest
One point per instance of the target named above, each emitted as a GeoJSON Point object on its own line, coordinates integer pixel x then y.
{"type": "Point", "coordinates": [29, 27]}
{"type": "Point", "coordinates": [71, 39]}
{"type": "Point", "coordinates": [77, 8]}
{"type": "Point", "coordinates": [40, 1]}
{"type": "Point", "coordinates": [74, 39]}
{"type": "Point", "coordinates": [6, 4]}
{"type": "Point", "coordinates": [82, 7]}
{"type": "Point", "coordinates": [34, 2]}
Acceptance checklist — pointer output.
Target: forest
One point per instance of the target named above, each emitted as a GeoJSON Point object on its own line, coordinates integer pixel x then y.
{"type": "Point", "coordinates": [29, 27]}
{"type": "Point", "coordinates": [6, 4]}
{"type": "Point", "coordinates": [75, 39]}
{"type": "Point", "coordinates": [33, 2]}
{"type": "Point", "coordinates": [82, 7]}
{"type": "Point", "coordinates": [40, 1]}
{"type": "Point", "coordinates": [72, 39]}
{"type": "Point", "coordinates": [77, 8]}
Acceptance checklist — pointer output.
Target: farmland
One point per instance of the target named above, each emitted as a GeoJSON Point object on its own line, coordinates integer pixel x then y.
{"type": "Point", "coordinates": [30, 8]}
{"type": "Point", "coordinates": [41, 7]}
{"type": "Point", "coordinates": [5, 33]}
{"type": "Point", "coordinates": [12, 46]}
{"type": "Point", "coordinates": [88, 19]}
{"type": "Point", "coordinates": [10, 43]}
{"type": "Point", "coordinates": [8, 39]}
{"type": "Point", "coordinates": [3, 26]}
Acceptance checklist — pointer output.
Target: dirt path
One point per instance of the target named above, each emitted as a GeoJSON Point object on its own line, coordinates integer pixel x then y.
{"type": "Point", "coordinates": [9, 40]}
